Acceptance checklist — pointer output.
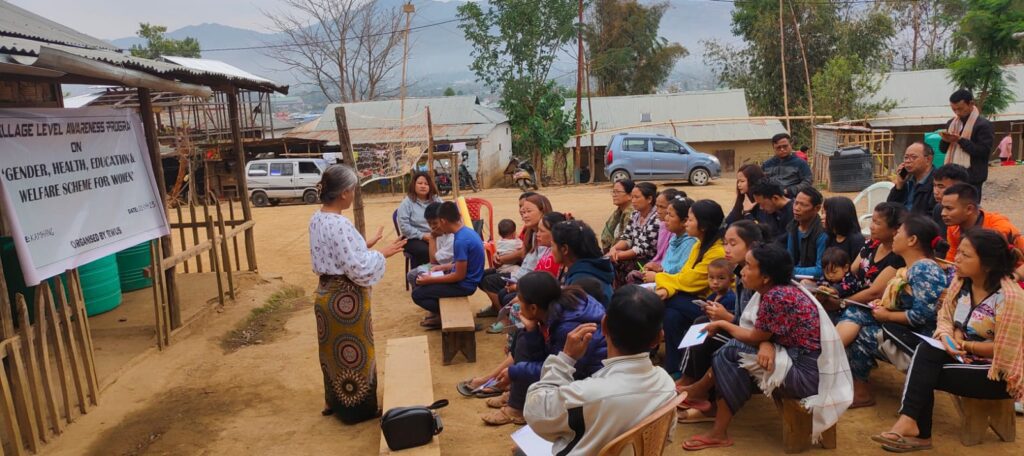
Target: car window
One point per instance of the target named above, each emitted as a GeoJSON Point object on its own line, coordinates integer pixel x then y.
{"type": "Point", "coordinates": [664, 145]}
{"type": "Point", "coordinates": [634, 145]}
{"type": "Point", "coordinates": [308, 168]}
{"type": "Point", "coordinates": [258, 169]}
{"type": "Point", "coordinates": [281, 169]}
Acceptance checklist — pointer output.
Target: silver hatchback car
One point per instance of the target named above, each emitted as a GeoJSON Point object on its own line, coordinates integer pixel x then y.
{"type": "Point", "coordinates": [650, 156]}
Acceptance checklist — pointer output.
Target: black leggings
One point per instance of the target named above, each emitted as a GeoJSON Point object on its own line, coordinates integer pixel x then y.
{"type": "Point", "coordinates": [418, 252]}
{"type": "Point", "coordinates": [933, 369]}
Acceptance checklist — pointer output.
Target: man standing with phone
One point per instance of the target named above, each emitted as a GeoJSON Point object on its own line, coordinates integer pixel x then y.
{"type": "Point", "coordinates": [968, 138]}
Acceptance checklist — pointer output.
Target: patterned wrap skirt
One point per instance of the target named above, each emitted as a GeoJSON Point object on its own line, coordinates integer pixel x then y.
{"type": "Point", "coordinates": [345, 334]}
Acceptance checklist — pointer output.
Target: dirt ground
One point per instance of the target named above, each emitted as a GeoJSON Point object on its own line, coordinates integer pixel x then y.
{"type": "Point", "coordinates": [195, 398]}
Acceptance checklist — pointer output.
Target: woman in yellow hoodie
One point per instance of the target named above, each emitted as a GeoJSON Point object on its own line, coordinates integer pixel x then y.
{"type": "Point", "coordinates": [679, 290]}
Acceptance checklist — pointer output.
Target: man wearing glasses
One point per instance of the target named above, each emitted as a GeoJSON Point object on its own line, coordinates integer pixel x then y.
{"type": "Point", "coordinates": [913, 180]}
{"type": "Point", "coordinates": [785, 168]}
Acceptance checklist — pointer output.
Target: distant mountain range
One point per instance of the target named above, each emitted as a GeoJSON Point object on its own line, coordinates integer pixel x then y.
{"type": "Point", "coordinates": [440, 55]}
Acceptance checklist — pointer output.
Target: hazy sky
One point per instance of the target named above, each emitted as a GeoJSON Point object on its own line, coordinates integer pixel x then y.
{"type": "Point", "coordinates": [109, 19]}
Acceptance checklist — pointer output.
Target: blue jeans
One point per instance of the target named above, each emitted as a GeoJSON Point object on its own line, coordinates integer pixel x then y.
{"type": "Point", "coordinates": [429, 296]}
{"type": "Point", "coordinates": [680, 312]}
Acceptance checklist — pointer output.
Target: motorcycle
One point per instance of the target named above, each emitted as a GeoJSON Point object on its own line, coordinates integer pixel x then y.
{"type": "Point", "coordinates": [524, 176]}
{"type": "Point", "coordinates": [466, 179]}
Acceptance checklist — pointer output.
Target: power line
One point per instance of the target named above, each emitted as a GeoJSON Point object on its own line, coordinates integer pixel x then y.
{"type": "Point", "coordinates": [370, 35]}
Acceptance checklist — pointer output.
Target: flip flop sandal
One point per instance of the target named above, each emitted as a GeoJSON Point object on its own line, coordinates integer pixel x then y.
{"type": "Point", "coordinates": [698, 404]}
{"type": "Point", "coordinates": [431, 323]}
{"type": "Point", "coordinates": [909, 448]}
{"type": "Point", "coordinates": [881, 438]}
{"type": "Point", "coordinates": [500, 418]}
{"type": "Point", "coordinates": [497, 402]}
{"type": "Point", "coordinates": [487, 313]}
{"type": "Point", "coordinates": [690, 416]}
{"type": "Point", "coordinates": [697, 443]}
{"type": "Point", "coordinates": [464, 389]}
{"type": "Point", "coordinates": [496, 328]}
{"type": "Point", "coordinates": [901, 444]}
{"type": "Point", "coordinates": [488, 393]}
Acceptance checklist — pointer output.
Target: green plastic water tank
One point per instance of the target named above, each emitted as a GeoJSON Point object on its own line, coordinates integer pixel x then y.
{"type": "Point", "coordinates": [130, 263]}
{"type": "Point", "coordinates": [101, 285]}
{"type": "Point", "coordinates": [932, 140]}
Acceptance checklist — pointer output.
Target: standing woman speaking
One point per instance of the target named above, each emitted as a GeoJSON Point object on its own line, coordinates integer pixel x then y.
{"type": "Point", "coordinates": [347, 268]}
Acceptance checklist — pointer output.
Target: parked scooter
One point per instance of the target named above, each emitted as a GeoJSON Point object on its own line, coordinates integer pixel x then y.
{"type": "Point", "coordinates": [525, 176]}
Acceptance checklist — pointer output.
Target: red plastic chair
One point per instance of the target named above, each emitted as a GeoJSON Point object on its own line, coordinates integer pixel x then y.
{"type": "Point", "coordinates": [475, 205]}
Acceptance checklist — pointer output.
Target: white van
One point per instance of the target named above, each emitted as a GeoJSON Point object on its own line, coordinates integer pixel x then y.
{"type": "Point", "coordinates": [273, 180]}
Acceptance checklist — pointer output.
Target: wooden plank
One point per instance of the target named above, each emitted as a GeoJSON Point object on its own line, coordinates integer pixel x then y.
{"type": "Point", "coordinates": [6, 319]}
{"type": "Point", "coordinates": [74, 352]}
{"type": "Point", "coordinates": [53, 332]}
{"type": "Point", "coordinates": [240, 177]}
{"type": "Point", "coordinates": [408, 382]}
{"type": "Point", "coordinates": [33, 367]}
{"type": "Point", "coordinates": [234, 240]}
{"type": "Point", "coordinates": [21, 386]}
{"type": "Point", "coordinates": [456, 315]}
{"type": "Point", "coordinates": [225, 261]}
{"type": "Point", "coordinates": [7, 411]}
{"type": "Point", "coordinates": [215, 264]}
{"type": "Point", "coordinates": [84, 337]}
{"type": "Point", "coordinates": [185, 255]}
{"type": "Point", "coordinates": [239, 229]}
{"type": "Point", "coordinates": [45, 369]}
{"type": "Point", "coordinates": [181, 234]}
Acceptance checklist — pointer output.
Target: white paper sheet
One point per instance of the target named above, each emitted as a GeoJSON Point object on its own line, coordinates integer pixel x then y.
{"type": "Point", "coordinates": [695, 336]}
{"type": "Point", "coordinates": [650, 286]}
{"type": "Point", "coordinates": [531, 443]}
{"type": "Point", "coordinates": [436, 273]}
{"type": "Point", "coordinates": [935, 343]}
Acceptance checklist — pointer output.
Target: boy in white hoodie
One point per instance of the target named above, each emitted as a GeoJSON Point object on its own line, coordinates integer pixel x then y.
{"type": "Point", "coordinates": [582, 416]}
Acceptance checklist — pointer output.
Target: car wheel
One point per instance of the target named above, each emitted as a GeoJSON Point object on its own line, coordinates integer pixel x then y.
{"type": "Point", "coordinates": [310, 197]}
{"type": "Point", "coordinates": [275, 202]}
{"type": "Point", "coordinates": [700, 177]}
{"type": "Point", "coordinates": [620, 174]}
{"type": "Point", "coordinates": [259, 199]}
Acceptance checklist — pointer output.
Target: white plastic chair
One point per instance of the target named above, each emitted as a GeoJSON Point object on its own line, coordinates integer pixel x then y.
{"type": "Point", "coordinates": [875, 193]}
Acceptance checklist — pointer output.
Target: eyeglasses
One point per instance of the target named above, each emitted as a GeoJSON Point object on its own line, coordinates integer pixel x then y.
{"type": "Point", "coordinates": [618, 192]}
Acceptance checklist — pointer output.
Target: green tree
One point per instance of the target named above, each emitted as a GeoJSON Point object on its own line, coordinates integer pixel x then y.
{"type": "Point", "coordinates": [925, 39]}
{"type": "Point", "coordinates": [827, 30]}
{"type": "Point", "coordinates": [514, 44]}
{"type": "Point", "coordinates": [449, 92]}
{"type": "Point", "coordinates": [627, 55]}
{"type": "Point", "coordinates": [157, 44]}
{"type": "Point", "coordinates": [987, 30]}
{"type": "Point", "coordinates": [840, 88]}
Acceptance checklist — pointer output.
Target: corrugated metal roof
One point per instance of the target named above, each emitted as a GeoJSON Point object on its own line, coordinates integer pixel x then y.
{"type": "Point", "coordinates": [15, 21]}
{"type": "Point", "coordinates": [922, 98]}
{"type": "Point", "coordinates": [81, 100]}
{"type": "Point", "coordinates": [376, 122]}
{"type": "Point", "coordinates": [215, 66]}
{"type": "Point", "coordinates": [23, 35]}
{"type": "Point", "coordinates": [614, 114]}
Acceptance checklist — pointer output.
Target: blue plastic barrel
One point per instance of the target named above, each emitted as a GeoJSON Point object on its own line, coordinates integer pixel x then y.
{"type": "Point", "coordinates": [130, 264]}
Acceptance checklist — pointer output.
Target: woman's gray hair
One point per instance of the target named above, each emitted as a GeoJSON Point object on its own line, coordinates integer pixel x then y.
{"type": "Point", "coordinates": [336, 180]}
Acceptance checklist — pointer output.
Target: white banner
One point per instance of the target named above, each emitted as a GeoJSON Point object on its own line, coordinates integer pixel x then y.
{"type": "Point", "coordinates": [76, 186]}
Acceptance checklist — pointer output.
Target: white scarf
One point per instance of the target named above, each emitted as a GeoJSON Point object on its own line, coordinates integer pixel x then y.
{"type": "Point", "coordinates": [955, 153]}
{"type": "Point", "coordinates": [835, 381]}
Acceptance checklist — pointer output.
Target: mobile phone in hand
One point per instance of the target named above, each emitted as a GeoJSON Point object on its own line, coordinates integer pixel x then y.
{"type": "Point", "coordinates": [904, 173]}
{"type": "Point", "coordinates": [703, 304]}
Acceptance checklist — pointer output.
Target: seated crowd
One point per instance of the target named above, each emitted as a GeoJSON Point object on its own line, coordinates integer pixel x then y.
{"type": "Point", "coordinates": [797, 302]}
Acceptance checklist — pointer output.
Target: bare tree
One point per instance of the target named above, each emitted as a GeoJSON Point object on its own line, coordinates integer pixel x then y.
{"type": "Point", "coordinates": [348, 49]}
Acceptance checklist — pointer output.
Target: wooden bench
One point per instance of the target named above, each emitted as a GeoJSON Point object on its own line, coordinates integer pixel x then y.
{"type": "Point", "coordinates": [407, 382]}
{"type": "Point", "coordinates": [797, 425]}
{"type": "Point", "coordinates": [977, 415]}
{"type": "Point", "coordinates": [458, 329]}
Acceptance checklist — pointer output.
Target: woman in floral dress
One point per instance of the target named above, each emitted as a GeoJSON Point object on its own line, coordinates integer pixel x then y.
{"type": "Point", "coordinates": [347, 268]}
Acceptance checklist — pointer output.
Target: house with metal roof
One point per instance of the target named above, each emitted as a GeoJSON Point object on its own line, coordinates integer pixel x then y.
{"type": "Point", "coordinates": [922, 106]}
{"type": "Point", "coordinates": [462, 119]}
{"type": "Point", "coordinates": [716, 122]}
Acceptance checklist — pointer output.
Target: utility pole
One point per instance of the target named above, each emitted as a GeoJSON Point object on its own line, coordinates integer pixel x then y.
{"type": "Point", "coordinates": [408, 8]}
{"type": "Point", "coordinates": [579, 93]}
{"type": "Point", "coordinates": [807, 78]}
{"type": "Point", "coordinates": [782, 61]}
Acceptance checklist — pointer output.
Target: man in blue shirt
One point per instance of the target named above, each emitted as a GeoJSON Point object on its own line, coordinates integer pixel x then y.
{"type": "Point", "coordinates": [785, 168]}
{"type": "Point", "coordinates": [466, 270]}
{"type": "Point", "coordinates": [805, 237]}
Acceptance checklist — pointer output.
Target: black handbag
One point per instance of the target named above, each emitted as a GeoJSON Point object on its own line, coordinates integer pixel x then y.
{"type": "Point", "coordinates": [408, 427]}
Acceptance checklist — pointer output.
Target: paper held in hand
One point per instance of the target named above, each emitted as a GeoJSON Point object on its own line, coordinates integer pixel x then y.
{"type": "Point", "coordinates": [695, 336]}
{"type": "Point", "coordinates": [530, 443]}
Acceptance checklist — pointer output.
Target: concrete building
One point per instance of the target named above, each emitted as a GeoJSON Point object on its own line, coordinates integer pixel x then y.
{"type": "Point", "coordinates": [716, 122]}
{"type": "Point", "coordinates": [922, 99]}
{"type": "Point", "coordinates": [485, 131]}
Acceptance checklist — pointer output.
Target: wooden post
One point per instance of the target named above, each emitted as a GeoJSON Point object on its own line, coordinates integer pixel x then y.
{"type": "Point", "coordinates": [240, 179]}
{"type": "Point", "coordinates": [593, 126]}
{"type": "Point", "coordinates": [579, 95]}
{"type": "Point", "coordinates": [430, 146]}
{"type": "Point", "coordinates": [148, 124]}
{"type": "Point", "coordinates": [454, 161]}
{"type": "Point", "coordinates": [782, 61]}
{"type": "Point", "coordinates": [807, 77]}
{"type": "Point", "coordinates": [345, 143]}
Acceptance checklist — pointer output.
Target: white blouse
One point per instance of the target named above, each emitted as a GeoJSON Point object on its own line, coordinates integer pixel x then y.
{"type": "Point", "coordinates": [337, 248]}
